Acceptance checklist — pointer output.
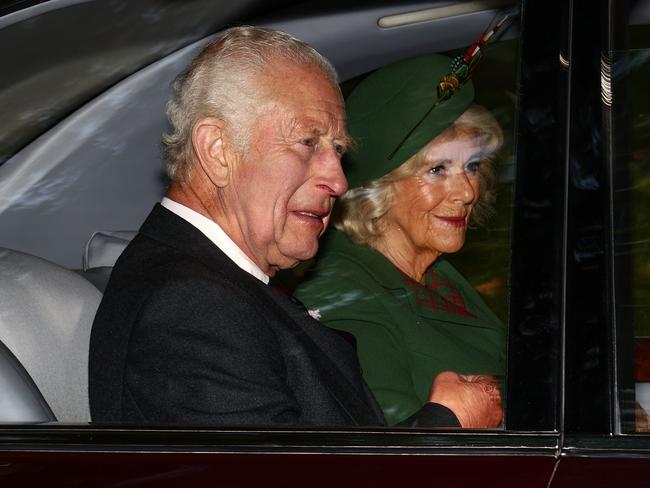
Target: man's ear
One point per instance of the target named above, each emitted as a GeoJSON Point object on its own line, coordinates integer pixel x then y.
{"type": "Point", "coordinates": [208, 144]}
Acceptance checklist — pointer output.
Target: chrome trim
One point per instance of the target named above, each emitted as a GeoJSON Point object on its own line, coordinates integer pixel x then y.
{"type": "Point", "coordinates": [606, 94]}
{"type": "Point", "coordinates": [436, 13]}
{"type": "Point", "coordinates": [564, 61]}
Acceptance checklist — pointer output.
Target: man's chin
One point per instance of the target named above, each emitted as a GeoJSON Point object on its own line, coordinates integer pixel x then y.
{"type": "Point", "coordinates": [291, 259]}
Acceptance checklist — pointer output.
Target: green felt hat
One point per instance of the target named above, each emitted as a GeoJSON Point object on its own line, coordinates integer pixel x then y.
{"type": "Point", "coordinates": [385, 107]}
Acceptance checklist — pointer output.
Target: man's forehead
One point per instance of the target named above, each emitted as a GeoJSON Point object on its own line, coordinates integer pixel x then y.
{"type": "Point", "coordinates": [298, 79]}
{"type": "Point", "coordinates": [321, 122]}
{"type": "Point", "coordinates": [306, 100]}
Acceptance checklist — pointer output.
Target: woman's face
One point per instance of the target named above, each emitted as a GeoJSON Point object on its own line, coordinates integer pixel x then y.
{"type": "Point", "coordinates": [431, 208]}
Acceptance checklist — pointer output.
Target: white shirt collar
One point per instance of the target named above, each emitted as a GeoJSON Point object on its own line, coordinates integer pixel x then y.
{"type": "Point", "coordinates": [215, 233]}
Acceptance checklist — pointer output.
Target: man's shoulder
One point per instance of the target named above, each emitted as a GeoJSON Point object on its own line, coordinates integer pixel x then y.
{"type": "Point", "coordinates": [147, 265]}
{"type": "Point", "coordinates": [146, 261]}
{"type": "Point", "coordinates": [161, 291]}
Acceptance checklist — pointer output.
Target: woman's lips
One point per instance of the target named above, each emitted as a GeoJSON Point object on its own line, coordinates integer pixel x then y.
{"type": "Point", "coordinates": [453, 221]}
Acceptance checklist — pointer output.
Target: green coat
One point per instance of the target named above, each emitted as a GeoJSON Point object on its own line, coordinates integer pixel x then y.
{"type": "Point", "coordinates": [406, 333]}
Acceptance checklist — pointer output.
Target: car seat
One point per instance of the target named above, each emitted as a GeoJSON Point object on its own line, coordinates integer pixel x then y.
{"type": "Point", "coordinates": [100, 253]}
{"type": "Point", "coordinates": [46, 313]}
{"type": "Point", "coordinates": [21, 400]}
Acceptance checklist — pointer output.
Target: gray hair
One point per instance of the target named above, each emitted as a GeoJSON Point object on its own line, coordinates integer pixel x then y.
{"type": "Point", "coordinates": [361, 212]}
{"type": "Point", "coordinates": [222, 82]}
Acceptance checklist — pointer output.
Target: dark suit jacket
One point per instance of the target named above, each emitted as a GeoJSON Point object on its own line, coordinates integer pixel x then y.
{"type": "Point", "coordinates": [183, 336]}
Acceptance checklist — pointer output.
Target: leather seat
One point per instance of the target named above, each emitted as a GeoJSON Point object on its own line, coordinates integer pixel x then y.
{"type": "Point", "coordinates": [21, 400]}
{"type": "Point", "coordinates": [46, 313]}
{"type": "Point", "coordinates": [101, 251]}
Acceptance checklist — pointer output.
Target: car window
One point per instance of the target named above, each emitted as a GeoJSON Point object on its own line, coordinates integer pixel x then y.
{"type": "Point", "coordinates": [631, 199]}
{"type": "Point", "coordinates": [485, 261]}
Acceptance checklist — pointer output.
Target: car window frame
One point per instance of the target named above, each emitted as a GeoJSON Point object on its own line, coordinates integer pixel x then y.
{"type": "Point", "coordinates": [532, 422]}
{"type": "Point", "coordinates": [597, 338]}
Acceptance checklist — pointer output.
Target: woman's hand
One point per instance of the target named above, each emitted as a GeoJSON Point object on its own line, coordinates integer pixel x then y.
{"type": "Point", "coordinates": [474, 399]}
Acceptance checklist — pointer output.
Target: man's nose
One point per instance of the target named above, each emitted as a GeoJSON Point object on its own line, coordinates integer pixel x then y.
{"type": "Point", "coordinates": [332, 178]}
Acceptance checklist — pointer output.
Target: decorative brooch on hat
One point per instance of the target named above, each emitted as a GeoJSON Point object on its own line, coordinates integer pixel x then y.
{"type": "Point", "coordinates": [461, 70]}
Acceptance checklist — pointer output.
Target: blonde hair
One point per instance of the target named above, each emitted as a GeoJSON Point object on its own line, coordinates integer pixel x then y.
{"type": "Point", "coordinates": [361, 212]}
{"type": "Point", "coordinates": [222, 81]}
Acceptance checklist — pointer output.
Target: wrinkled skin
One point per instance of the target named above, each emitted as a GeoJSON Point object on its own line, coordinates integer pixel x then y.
{"type": "Point", "coordinates": [474, 399]}
{"type": "Point", "coordinates": [274, 198]}
{"type": "Point", "coordinates": [430, 209]}
{"type": "Point", "coordinates": [284, 189]}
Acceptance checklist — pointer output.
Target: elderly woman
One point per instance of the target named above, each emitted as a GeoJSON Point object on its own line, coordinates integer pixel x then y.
{"type": "Point", "coordinates": [418, 176]}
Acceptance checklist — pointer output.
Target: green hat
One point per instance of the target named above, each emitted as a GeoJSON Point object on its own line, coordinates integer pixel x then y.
{"type": "Point", "coordinates": [385, 107]}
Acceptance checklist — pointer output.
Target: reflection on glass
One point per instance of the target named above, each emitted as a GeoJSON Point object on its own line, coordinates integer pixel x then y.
{"type": "Point", "coordinates": [632, 227]}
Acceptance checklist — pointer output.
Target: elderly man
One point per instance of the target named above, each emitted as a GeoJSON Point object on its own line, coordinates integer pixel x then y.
{"type": "Point", "coordinates": [189, 332]}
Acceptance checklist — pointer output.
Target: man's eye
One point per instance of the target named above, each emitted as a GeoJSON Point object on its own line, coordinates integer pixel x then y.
{"type": "Point", "coordinates": [310, 142]}
{"type": "Point", "coordinates": [437, 170]}
{"type": "Point", "coordinates": [339, 149]}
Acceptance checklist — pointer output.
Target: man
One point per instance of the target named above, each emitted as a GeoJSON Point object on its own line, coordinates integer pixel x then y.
{"type": "Point", "coordinates": [189, 332]}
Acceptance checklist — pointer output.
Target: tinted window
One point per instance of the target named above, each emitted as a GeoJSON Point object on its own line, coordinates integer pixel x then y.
{"type": "Point", "coordinates": [630, 74]}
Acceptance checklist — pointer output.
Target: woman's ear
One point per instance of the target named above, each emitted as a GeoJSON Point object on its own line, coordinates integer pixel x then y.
{"type": "Point", "coordinates": [208, 143]}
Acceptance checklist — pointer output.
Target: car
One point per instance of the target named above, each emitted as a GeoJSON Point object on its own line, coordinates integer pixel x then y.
{"type": "Point", "coordinates": [565, 263]}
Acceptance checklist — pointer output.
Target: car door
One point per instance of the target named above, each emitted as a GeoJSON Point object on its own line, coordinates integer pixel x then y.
{"type": "Point", "coordinates": [527, 246]}
{"type": "Point", "coordinates": [604, 419]}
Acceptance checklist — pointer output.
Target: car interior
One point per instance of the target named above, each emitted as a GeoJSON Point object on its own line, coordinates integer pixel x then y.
{"type": "Point", "coordinates": [72, 197]}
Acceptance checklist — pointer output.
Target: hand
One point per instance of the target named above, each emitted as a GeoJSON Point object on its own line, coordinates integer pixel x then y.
{"type": "Point", "coordinates": [474, 399]}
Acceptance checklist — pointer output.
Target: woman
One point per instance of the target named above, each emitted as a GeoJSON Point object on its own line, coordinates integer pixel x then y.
{"type": "Point", "coordinates": [419, 174]}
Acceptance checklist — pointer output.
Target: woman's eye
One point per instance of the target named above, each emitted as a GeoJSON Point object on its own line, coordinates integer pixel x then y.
{"type": "Point", "coordinates": [473, 166]}
{"type": "Point", "coordinates": [437, 170]}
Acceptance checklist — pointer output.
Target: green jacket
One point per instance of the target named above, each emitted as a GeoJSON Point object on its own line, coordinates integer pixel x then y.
{"type": "Point", "coordinates": [406, 333]}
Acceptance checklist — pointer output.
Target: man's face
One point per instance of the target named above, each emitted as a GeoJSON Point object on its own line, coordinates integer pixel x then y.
{"type": "Point", "coordinates": [285, 184]}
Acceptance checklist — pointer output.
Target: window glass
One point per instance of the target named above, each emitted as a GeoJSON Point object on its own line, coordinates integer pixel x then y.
{"type": "Point", "coordinates": [631, 197]}
{"type": "Point", "coordinates": [484, 259]}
